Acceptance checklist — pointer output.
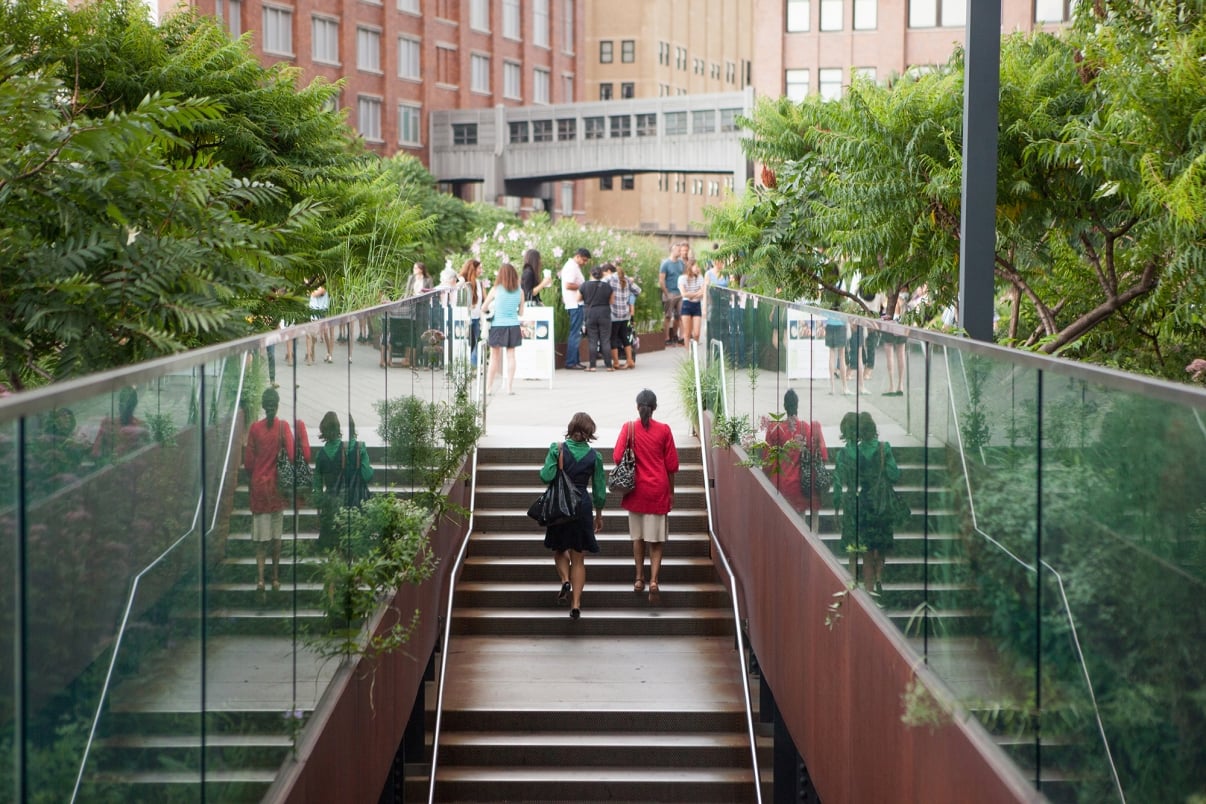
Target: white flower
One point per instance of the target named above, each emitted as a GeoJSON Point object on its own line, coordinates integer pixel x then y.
{"type": "Point", "coordinates": [499, 226]}
{"type": "Point", "coordinates": [557, 252]}
{"type": "Point", "coordinates": [513, 235]}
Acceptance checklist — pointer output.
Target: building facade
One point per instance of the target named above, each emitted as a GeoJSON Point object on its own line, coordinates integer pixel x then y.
{"type": "Point", "coordinates": [643, 49]}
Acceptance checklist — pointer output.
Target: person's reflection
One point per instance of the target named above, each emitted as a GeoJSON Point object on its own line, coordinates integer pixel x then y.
{"type": "Point", "coordinates": [793, 439]}
{"type": "Point", "coordinates": [122, 433]}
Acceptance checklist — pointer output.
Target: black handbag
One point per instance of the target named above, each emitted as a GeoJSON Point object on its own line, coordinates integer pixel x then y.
{"type": "Point", "coordinates": [292, 474]}
{"type": "Point", "coordinates": [560, 501]}
{"type": "Point", "coordinates": [623, 478]}
{"type": "Point", "coordinates": [885, 501]}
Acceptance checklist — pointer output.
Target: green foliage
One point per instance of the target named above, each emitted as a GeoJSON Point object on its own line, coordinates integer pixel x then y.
{"type": "Point", "coordinates": [730, 430]}
{"type": "Point", "coordinates": [709, 384]}
{"type": "Point", "coordinates": [428, 441]}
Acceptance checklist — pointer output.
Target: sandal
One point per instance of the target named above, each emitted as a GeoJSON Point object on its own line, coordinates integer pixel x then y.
{"type": "Point", "coordinates": [639, 586]}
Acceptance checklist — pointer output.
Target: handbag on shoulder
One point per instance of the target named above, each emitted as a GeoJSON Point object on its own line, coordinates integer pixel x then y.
{"type": "Point", "coordinates": [559, 502]}
{"type": "Point", "coordinates": [291, 473]}
{"type": "Point", "coordinates": [622, 478]}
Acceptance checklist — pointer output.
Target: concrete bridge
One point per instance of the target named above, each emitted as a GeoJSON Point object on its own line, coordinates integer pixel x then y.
{"type": "Point", "coordinates": [517, 150]}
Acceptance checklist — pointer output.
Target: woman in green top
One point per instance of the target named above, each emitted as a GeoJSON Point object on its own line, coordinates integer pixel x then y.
{"type": "Point", "coordinates": [341, 475]}
{"type": "Point", "coordinates": [574, 538]}
{"type": "Point", "coordinates": [861, 463]}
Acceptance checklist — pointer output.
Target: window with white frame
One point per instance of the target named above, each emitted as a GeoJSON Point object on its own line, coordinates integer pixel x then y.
{"type": "Point", "coordinates": [511, 19]}
{"type": "Point", "coordinates": [540, 86]}
{"type": "Point", "coordinates": [479, 15]}
{"type": "Point", "coordinates": [606, 91]}
{"type": "Point", "coordinates": [479, 78]}
{"type": "Point", "coordinates": [409, 6]}
{"type": "Point", "coordinates": [831, 15]}
{"type": "Point", "coordinates": [680, 58]}
{"type": "Point", "coordinates": [830, 79]}
{"type": "Point", "coordinates": [866, 13]}
{"type": "Point", "coordinates": [627, 90]}
{"type": "Point", "coordinates": [728, 119]}
{"type": "Point", "coordinates": [324, 39]}
{"type": "Point", "coordinates": [796, 84]}
{"type": "Point", "coordinates": [703, 121]}
{"type": "Point", "coordinates": [606, 51]}
{"type": "Point", "coordinates": [937, 13]}
{"type": "Point", "coordinates": [512, 81]}
{"type": "Point", "coordinates": [234, 18]}
{"type": "Point", "coordinates": [464, 133]}
{"type": "Point", "coordinates": [368, 118]}
{"type": "Point", "coordinates": [621, 125]}
{"type": "Point", "coordinates": [663, 53]}
{"type": "Point", "coordinates": [1053, 10]}
{"type": "Point", "coordinates": [518, 131]}
{"type": "Point", "coordinates": [674, 123]}
{"type": "Point", "coordinates": [542, 131]}
{"type": "Point", "coordinates": [409, 124]}
{"type": "Point", "coordinates": [368, 49]}
{"type": "Point", "coordinates": [697, 186]}
{"type": "Point", "coordinates": [540, 23]}
{"type": "Point", "coordinates": [628, 182]}
{"type": "Point", "coordinates": [567, 88]}
{"type": "Point", "coordinates": [605, 183]}
{"type": "Point", "coordinates": [278, 30]}
{"type": "Point", "coordinates": [798, 15]}
{"type": "Point", "coordinates": [730, 72]}
{"type": "Point", "coordinates": [680, 182]}
{"type": "Point", "coordinates": [567, 26]}
{"type": "Point", "coordinates": [866, 73]}
{"type": "Point", "coordinates": [646, 125]}
{"type": "Point", "coordinates": [713, 188]}
{"type": "Point", "coordinates": [627, 51]}
{"type": "Point", "coordinates": [567, 129]}
{"type": "Point", "coordinates": [594, 128]}
{"type": "Point", "coordinates": [409, 58]}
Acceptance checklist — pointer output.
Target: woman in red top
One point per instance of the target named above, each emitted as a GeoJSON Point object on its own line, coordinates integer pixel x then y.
{"type": "Point", "coordinates": [649, 503]}
{"type": "Point", "coordinates": [783, 467]}
{"type": "Point", "coordinates": [264, 440]}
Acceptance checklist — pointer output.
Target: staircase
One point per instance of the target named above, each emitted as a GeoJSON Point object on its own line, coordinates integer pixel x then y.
{"type": "Point", "coordinates": [635, 701]}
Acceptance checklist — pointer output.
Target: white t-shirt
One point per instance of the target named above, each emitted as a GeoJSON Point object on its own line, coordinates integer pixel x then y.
{"type": "Point", "coordinates": [571, 274]}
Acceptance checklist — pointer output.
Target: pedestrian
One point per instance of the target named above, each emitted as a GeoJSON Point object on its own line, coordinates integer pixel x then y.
{"type": "Point", "coordinates": [649, 503]}
{"type": "Point", "coordinates": [571, 281]}
{"type": "Point", "coordinates": [667, 279]}
{"type": "Point", "coordinates": [471, 277]}
{"type": "Point", "coordinates": [691, 289]}
{"type": "Point", "coordinates": [835, 339]}
{"type": "Point", "coordinates": [265, 439]}
{"type": "Point", "coordinates": [320, 308]}
{"type": "Point", "coordinates": [572, 540]}
{"type": "Point", "coordinates": [341, 474]}
{"type": "Point", "coordinates": [863, 462]}
{"type": "Point", "coordinates": [794, 438]}
{"type": "Point", "coordinates": [534, 279]}
{"type": "Point", "coordinates": [623, 305]}
{"type": "Point", "coordinates": [596, 297]}
{"type": "Point", "coordinates": [506, 301]}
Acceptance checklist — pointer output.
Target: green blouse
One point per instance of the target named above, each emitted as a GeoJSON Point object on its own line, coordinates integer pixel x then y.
{"type": "Point", "coordinates": [598, 482]}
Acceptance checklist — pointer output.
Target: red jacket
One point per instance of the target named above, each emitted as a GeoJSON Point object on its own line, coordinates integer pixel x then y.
{"type": "Point", "coordinates": [259, 459]}
{"type": "Point", "coordinates": [656, 461]}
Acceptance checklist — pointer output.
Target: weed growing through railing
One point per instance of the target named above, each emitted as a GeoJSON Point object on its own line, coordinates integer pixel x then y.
{"type": "Point", "coordinates": [295, 721]}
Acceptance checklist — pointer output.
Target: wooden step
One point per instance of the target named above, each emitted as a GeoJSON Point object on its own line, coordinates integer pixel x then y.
{"type": "Point", "coordinates": [653, 620]}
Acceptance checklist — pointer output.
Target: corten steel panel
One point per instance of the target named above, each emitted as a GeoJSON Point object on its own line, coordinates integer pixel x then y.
{"type": "Point", "coordinates": [839, 690]}
{"type": "Point", "coordinates": [348, 746]}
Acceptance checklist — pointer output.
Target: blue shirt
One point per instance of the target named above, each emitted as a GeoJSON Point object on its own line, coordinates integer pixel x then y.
{"type": "Point", "coordinates": [673, 269]}
{"type": "Point", "coordinates": [506, 306]}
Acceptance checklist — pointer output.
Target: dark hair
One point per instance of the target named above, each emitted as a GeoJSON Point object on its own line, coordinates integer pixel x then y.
{"type": "Point", "coordinates": [328, 428]}
{"type": "Point", "coordinates": [581, 427]}
{"type": "Point", "coordinates": [351, 428]}
{"type": "Point", "coordinates": [507, 276]}
{"type": "Point", "coordinates": [270, 399]}
{"type": "Point", "coordinates": [596, 272]}
{"type": "Point", "coordinates": [791, 402]}
{"type": "Point", "coordinates": [127, 400]}
{"type": "Point", "coordinates": [849, 427]}
{"type": "Point", "coordinates": [531, 258]}
{"type": "Point", "coordinates": [583, 253]}
{"type": "Point", "coordinates": [867, 431]}
{"type": "Point", "coordinates": [422, 268]}
{"type": "Point", "coordinates": [646, 403]}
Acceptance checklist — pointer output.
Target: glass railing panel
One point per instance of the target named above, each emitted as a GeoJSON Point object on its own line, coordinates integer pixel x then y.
{"type": "Point", "coordinates": [10, 434]}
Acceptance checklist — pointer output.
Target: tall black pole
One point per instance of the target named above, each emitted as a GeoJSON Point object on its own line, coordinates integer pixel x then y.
{"type": "Point", "coordinates": [977, 245]}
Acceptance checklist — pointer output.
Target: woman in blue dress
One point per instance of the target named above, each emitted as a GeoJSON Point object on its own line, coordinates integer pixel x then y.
{"type": "Point", "coordinates": [572, 540]}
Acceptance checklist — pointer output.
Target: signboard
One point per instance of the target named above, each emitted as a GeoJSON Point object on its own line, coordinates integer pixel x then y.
{"type": "Point", "coordinates": [534, 360]}
{"type": "Point", "coordinates": [807, 355]}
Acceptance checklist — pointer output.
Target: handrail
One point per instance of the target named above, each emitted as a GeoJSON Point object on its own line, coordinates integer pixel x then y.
{"type": "Point", "coordinates": [745, 682]}
{"type": "Point", "coordinates": [1084, 667]}
{"type": "Point", "coordinates": [133, 594]}
{"type": "Point", "coordinates": [452, 576]}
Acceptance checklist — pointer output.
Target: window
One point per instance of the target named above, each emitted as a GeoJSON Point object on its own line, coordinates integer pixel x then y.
{"type": "Point", "coordinates": [730, 72]}
{"type": "Point", "coordinates": [697, 66]}
{"type": "Point", "coordinates": [540, 23]}
{"type": "Point", "coordinates": [663, 90]}
{"type": "Point", "coordinates": [796, 82]}
{"type": "Point", "coordinates": [715, 71]}
{"type": "Point", "coordinates": [409, 6]}
{"type": "Point", "coordinates": [728, 119]}
{"type": "Point", "coordinates": [680, 182]}
{"type": "Point", "coordinates": [605, 91]}
{"type": "Point", "coordinates": [605, 182]}
{"type": "Point", "coordinates": [627, 90]}
{"type": "Point", "coordinates": [448, 66]}
{"type": "Point", "coordinates": [697, 187]}
{"type": "Point", "coordinates": [409, 120]}
{"type": "Point", "coordinates": [606, 51]}
{"type": "Point", "coordinates": [479, 15]}
{"type": "Point", "coordinates": [234, 18]}
{"type": "Point", "coordinates": [567, 89]}
{"type": "Point", "coordinates": [518, 131]}
{"type": "Point", "coordinates": [512, 80]}
{"type": "Point", "coordinates": [278, 30]}
{"type": "Point", "coordinates": [663, 53]}
{"type": "Point", "coordinates": [798, 12]}
{"type": "Point", "coordinates": [865, 13]}
{"type": "Point", "coordinates": [324, 33]}
{"type": "Point", "coordinates": [540, 86]}
{"type": "Point", "coordinates": [464, 133]}
{"type": "Point", "coordinates": [567, 129]}
{"type": "Point", "coordinates": [663, 182]}
{"type": "Point", "coordinates": [446, 9]}
{"type": "Point", "coordinates": [830, 79]}
{"type": "Point", "coordinates": [542, 131]}
{"type": "Point", "coordinates": [703, 121]}
{"type": "Point", "coordinates": [409, 51]}
{"type": "Point", "coordinates": [680, 58]}
{"type": "Point", "coordinates": [867, 73]}
{"type": "Point", "coordinates": [628, 51]}
{"type": "Point", "coordinates": [628, 182]}
{"type": "Point", "coordinates": [831, 15]}
{"type": "Point", "coordinates": [511, 19]}
{"type": "Point", "coordinates": [368, 50]}
{"type": "Point", "coordinates": [368, 115]}
{"type": "Point", "coordinates": [567, 197]}
{"type": "Point", "coordinates": [479, 80]}
{"type": "Point", "coordinates": [932, 13]}
{"type": "Point", "coordinates": [567, 28]}
{"type": "Point", "coordinates": [594, 128]}
{"type": "Point", "coordinates": [675, 123]}
{"type": "Point", "coordinates": [621, 126]}
{"type": "Point", "coordinates": [646, 125]}
{"type": "Point", "coordinates": [1051, 10]}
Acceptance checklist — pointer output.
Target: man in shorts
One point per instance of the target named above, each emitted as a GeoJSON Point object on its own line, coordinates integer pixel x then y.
{"type": "Point", "coordinates": [672, 300]}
